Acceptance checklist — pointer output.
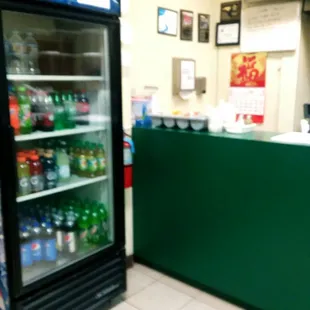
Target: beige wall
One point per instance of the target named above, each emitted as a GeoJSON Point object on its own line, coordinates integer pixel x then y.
{"type": "Point", "coordinates": [153, 53]}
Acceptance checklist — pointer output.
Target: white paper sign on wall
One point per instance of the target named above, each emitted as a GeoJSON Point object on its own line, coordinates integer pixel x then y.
{"type": "Point", "coordinates": [270, 27]}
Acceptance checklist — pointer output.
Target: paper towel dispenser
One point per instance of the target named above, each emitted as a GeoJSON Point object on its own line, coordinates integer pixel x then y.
{"type": "Point", "coordinates": [184, 75]}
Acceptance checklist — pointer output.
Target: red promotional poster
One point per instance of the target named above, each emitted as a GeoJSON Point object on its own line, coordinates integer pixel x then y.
{"type": "Point", "coordinates": [247, 85]}
{"type": "Point", "coordinates": [248, 70]}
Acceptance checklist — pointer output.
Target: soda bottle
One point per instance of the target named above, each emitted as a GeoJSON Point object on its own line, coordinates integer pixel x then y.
{"type": "Point", "coordinates": [17, 59]}
{"type": "Point", "coordinates": [49, 148]}
{"type": "Point", "coordinates": [83, 231]}
{"type": "Point", "coordinates": [92, 164]}
{"type": "Point", "coordinates": [58, 219]}
{"type": "Point", "coordinates": [70, 234]}
{"type": "Point", "coordinates": [63, 162]}
{"type": "Point", "coordinates": [36, 242]}
{"type": "Point", "coordinates": [94, 231]}
{"type": "Point", "coordinates": [49, 243]}
{"type": "Point", "coordinates": [82, 107]}
{"type": "Point", "coordinates": [34, 110]}
{"type": "Point", "coordinates": [103, 215]}
{"type": "Point", "coordinates": [101, 161]}
{"type": "Point", "coordinates": [76, 155]}
{"type": "Point", "coordinates": [45, 112]}
{"type": "Point", "coordinates": [82, 161]}
{"type": "Point", "coordinates": [25, 246]}
{"type": "Point", "coordinates": [32, 54]}
{"type": "Point", "coordinates": [72, 157]}
{"type": "Point", "coordinates": [24, 111]}
{"type": "Point", "coordinates": [40, 151]}
{"type": "Point", "coordinates": [36, 172]}
{"type": "Point", "coordinates": [23, 174]}
{"type": "Point", "coordinates": [59, 121]}
{"type": "Point", "coordinates": [14, 111]}
{"type": "Point", "coordinates": [50, 170]}
{"type": "Point", "coordinates": [70, 110]}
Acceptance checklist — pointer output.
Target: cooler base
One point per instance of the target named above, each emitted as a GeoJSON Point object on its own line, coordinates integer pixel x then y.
{"type": "Point", "coordinates": [90, 289]}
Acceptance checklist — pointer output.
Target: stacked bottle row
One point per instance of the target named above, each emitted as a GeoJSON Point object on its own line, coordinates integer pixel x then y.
{"type": "Point", "coordinates": [63, 230]}
{"type": "Point", "coordinates": [44, 167]}
{"type": "Point", "coordinates": [36, 109]}
{"type": "Point", "coordinates": [87, 159]}
{"type": "Point", "coordinates": [21, 54]}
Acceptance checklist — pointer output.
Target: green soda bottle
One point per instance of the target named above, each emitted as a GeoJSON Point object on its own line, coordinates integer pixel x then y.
{"type": "Point", "coordinates": [24, 110]}
{"type": "Point", "coordinates": [103, 215]}
{"type": "Point", "coordinates": [95, 226]}
{"type": "Point", "coordinates": [70, 109]}
{"type": "Point", "coordinates": [83, 223]}
{"type": "Point", "coordinates": [59, 114]}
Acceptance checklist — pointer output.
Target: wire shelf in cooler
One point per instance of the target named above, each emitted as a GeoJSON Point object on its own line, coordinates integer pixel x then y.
{"type": "Point", "coordinates": [58, 133]}
{"type": "Point", "coordinates": [53, 78]}
{"type": "Point", "coordinates": [75, 182]}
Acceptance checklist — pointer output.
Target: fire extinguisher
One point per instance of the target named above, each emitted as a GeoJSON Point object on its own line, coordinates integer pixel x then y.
{"type": "Point", "coordinates": [128, 160]}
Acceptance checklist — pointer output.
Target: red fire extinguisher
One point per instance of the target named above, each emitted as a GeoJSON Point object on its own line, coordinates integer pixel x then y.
{"type": "Point", "coordinates": [128, 161]}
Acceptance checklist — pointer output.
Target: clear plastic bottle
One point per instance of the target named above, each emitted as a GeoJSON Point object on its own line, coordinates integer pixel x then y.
{"type": "Point", "coordinates": [32, 54]}
{"type": "Point", "coordinates": [17, 61]}
{"type": "Point", "coordinates": [7, 50]}
{"type": "Point", "coordinates": [63, 162]}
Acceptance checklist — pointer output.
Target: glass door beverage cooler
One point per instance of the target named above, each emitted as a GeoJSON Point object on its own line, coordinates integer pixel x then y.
{"type": "Point", "coordinates": [62, 227]}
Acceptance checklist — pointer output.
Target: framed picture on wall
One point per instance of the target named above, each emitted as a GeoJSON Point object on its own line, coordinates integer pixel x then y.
{"type": "Point", "coordinates": [167, 22]}
{"type": "Point", "coordinates": [203, 28]}
{"type": "Point", "coordinates": [227, 34]}
{"type": "Point", "coordinates": [306, 6]}
{"type": "Point", "coordinates": [231, 11]}
{"type": "Point", "coordinates": [187, 24]}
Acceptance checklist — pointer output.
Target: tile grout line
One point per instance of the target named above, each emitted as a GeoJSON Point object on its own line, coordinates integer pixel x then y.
{"type": "Point", "coordinates": [154, 281]}
{"type": "Point", "coordinates": [187, 303]}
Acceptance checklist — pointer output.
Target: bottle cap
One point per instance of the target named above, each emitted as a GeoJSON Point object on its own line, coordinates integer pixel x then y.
{"type": "Point", "coordinates": [48, 154]}
{"type": "Point", "coordinates": [34, 157]}
{"type": "Point", "coordinates": [21, 159]}
{"type": "Point", "coordinates": [62, 144]}
{"type": "Point", "coordinates": [21, 89]}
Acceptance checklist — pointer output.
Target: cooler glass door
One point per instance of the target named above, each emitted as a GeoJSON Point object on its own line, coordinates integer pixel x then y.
{"type": "Point", "coordinates": [59, 103]}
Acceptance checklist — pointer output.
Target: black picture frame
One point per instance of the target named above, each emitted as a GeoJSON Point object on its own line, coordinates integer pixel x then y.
{"type": "Point", "coordinates": [223, 24]}
{"type": "Point", "coordinates": [158, 16]}
{"type": "Point", "coordinates": [306, 6]}
{"type": "Point", "coordinates": [231, 11]}
{"type": "Point", "coordinates": [203, 33]}
{"type": "Point", "coordinates": [186, 31]}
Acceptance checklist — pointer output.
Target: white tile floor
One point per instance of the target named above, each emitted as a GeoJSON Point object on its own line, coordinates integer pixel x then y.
{"type": "Point", "coordinates": [151, 290]}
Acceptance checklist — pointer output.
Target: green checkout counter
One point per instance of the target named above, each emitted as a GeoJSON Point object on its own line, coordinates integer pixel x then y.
{"type": "Point", "coordinates": [228, 214]}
